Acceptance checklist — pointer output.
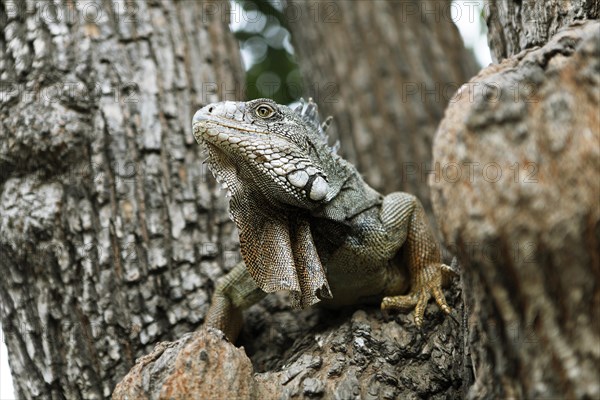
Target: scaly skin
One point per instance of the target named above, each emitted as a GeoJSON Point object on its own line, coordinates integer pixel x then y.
{"type": "Point", "coordinates": [308, 223]}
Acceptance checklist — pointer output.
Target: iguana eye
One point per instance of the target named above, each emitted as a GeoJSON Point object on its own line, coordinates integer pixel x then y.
{"type": "Point", "coordinates": [264, 111]}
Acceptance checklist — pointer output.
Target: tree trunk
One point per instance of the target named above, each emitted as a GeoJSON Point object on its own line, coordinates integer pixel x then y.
{"type": "Point", "coordinates": [517, 197]}
{"type": "Point", "coordinates": [516, 25]}
{"type": "Point", "coordinates": [110, 233]}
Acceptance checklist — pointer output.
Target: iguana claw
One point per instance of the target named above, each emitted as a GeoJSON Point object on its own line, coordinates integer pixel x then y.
{"type": "Point", "coordinates": [428, 283]}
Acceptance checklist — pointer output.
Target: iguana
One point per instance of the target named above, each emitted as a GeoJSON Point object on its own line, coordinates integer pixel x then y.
{"type": "Point", "coordinates": [307, 221]}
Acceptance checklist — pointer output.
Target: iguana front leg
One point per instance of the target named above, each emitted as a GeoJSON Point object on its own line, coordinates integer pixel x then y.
{"type": "Point", "coordinates": [234, 293]}
{"type": "Point", "coordinates": [405, 213]}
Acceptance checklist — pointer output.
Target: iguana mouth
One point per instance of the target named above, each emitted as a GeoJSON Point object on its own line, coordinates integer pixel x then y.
{"type": "Point", "coordinates": [225, 123]}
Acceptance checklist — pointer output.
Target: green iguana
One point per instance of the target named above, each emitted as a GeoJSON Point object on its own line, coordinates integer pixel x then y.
{"type": "Point", "coordinates": [307, 221]}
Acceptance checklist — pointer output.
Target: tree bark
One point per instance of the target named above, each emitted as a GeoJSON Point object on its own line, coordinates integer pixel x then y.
{"type": "Point", "coordinates": [110, 233]}
{"type": "Point", "coordinates": [516, 25]}
{"type": "Point", "coordinates": [517, 196]}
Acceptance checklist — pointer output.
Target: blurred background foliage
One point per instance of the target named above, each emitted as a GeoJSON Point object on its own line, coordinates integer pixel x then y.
{"type": "Point", "coordinates": [262, 29]}
{"type": "Point", "coordinates": [267, 52]}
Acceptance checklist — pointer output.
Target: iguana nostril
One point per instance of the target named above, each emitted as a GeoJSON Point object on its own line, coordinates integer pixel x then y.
{"type": "Point", "coordinates": [210, 110]}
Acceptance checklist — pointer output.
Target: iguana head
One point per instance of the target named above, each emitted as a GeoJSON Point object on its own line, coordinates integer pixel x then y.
{"type": "Point", "coordinates": [275, 162]}
{"type": "Point", "coordinates": [282, 153]}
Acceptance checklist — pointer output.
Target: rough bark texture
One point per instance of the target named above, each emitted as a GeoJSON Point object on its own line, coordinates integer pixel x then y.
{"type": "Point", "coordinates": [385, 70]}
{"type": "Point", "coordinates": [200, 365]}
{"type": "Point", "coordinates": [110, 233]}
{"type": "Point", "coordinates": [516, 25]}
{"type": "Point", "coordinates": [360, 356]}
{"type": "Point", "coordinates": [517, 195]}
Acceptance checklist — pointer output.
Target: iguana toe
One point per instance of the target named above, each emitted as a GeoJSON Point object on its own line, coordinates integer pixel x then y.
{"type": "Point", "coordinates": [429, 285]}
